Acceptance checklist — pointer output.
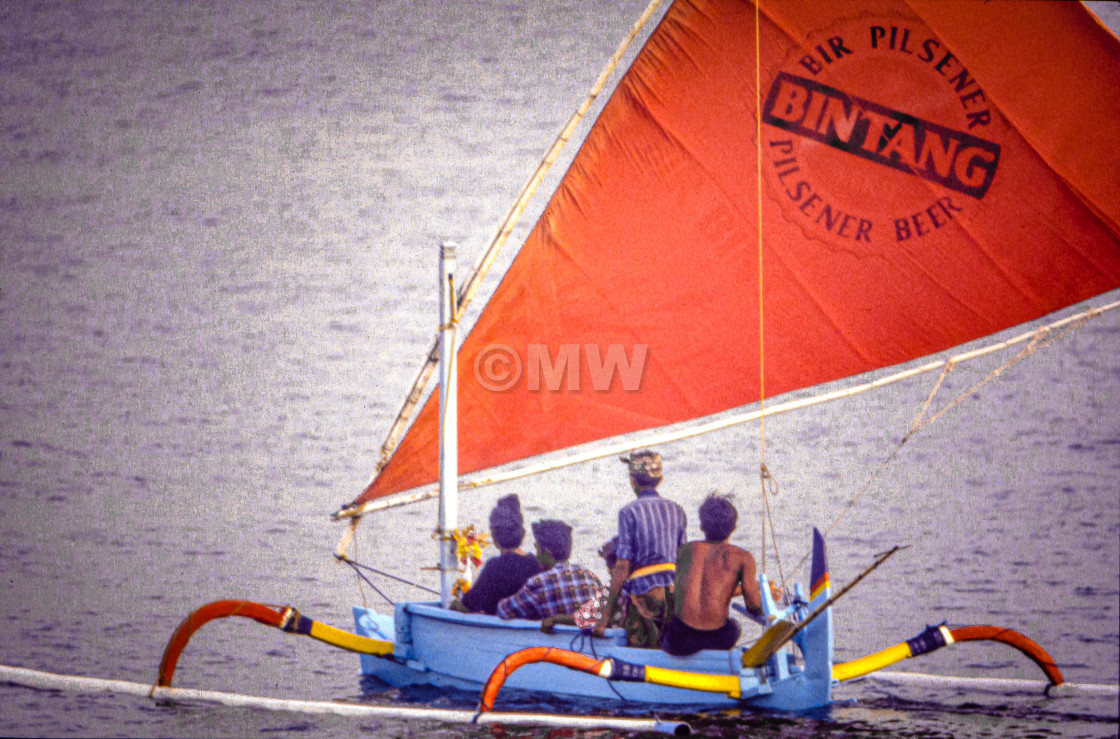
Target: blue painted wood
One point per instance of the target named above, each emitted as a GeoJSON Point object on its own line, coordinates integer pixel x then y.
{"type": "Point", "coordinates": [446, 648]}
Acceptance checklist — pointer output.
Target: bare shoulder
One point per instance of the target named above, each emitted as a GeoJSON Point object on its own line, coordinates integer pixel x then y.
{"type": "Point", "coordinates": [734, 550]}
{"type": "Point", "coordinates": [745, 558]}
{"type": "Point", "coordinates": [727, 553]}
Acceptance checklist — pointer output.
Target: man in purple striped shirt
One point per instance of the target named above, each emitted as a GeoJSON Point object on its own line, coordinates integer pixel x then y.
{"type": "Point", "coordinates": [650, 531]}
{"type": "Point", "coordinates": [561, 588]}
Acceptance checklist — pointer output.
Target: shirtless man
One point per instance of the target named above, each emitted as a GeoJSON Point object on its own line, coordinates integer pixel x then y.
{"type": "Point", "coordinates": [709, 574]}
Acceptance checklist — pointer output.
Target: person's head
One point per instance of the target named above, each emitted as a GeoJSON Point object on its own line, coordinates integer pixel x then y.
{"type": "Point", "coordinates": [717, 517]}
{"type": "Point", "coordinates": [607, 552]}
{"type": "Point", "coordinates": [644, 468]}
{"type": "Point", "coordinates": [554, 538]}
{"type": "Point", "coordinates": [505, 523]}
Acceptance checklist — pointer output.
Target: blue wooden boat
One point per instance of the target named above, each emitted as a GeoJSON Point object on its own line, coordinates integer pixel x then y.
{"type": "Point", "coordinates": [436, 646]}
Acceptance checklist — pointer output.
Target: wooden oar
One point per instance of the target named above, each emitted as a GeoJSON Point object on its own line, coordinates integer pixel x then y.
{"type": "Point", "coordinates": [770, 642]}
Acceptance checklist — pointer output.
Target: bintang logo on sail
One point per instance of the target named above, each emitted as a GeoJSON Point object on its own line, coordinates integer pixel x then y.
{"type": "Point", "coordinates": [832, 153]}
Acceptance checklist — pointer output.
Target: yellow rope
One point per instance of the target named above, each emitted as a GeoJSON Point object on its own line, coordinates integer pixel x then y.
{"type": "Point", "coordinates": [936, 386]}
{"type": "Point", "coordinates": [758, 189]}
{"type": "Point", "coordinates": [769, 518]}
{"type": "Point", "coordinates": [764, 473]}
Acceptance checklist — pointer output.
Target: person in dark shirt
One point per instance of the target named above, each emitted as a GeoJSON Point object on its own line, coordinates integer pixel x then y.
{"type": "Point", "coordinates": [501, 576]}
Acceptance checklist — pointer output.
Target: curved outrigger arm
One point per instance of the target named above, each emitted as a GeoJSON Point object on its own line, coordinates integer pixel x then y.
{"type": "Point", "coordinates": [934, 637]}
{"type": "Point", "coordinates": [286, 619]}
{"type": "Point", "coordinates": [609, 669]}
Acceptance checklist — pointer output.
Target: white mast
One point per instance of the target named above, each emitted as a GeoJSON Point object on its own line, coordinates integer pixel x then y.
{"type": "Point", "coordinates": [448, 425]}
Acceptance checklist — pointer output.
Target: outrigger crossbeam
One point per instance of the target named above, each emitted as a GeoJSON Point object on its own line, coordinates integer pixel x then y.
{"type": "Point", "coordinates": [286, 619]}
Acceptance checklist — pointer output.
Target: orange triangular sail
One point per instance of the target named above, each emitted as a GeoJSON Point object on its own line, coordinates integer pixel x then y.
{"type": "Point", "coordinates": [931, 173]}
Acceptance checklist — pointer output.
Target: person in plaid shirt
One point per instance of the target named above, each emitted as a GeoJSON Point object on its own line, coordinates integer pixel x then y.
{"type": "Point", "coordinates": [561, 587]}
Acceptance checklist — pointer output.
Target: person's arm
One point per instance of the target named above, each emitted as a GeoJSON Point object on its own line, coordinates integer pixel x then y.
{"type": "Point", "coordinates": [560, 618]}
{"type": "Point", "coordinates": [682, 578]}
{"type": "Point", "coordinates": [619, 573]}
{"type": "Point", "coordinates": [522, 604]}
{"type": "Point", "coordinates": [748, 581]}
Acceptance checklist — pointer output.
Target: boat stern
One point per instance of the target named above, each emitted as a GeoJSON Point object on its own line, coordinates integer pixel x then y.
{"type": "Point", "coordinates": [816, 639]}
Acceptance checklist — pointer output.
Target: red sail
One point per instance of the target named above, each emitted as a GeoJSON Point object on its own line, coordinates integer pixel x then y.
{"type": "Point", "coordinates": [931, 173]}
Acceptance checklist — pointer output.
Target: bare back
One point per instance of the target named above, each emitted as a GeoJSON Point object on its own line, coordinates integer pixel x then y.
{"type": "Point", "coordinates": [709, 575]}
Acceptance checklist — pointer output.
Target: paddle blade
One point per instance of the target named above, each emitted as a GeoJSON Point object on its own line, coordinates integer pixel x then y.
{"type": "Point", "coordinates": [770, 642]}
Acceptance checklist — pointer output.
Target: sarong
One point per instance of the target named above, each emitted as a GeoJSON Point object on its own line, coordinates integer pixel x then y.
{"type": "Point", "coordinates": [645, 616]}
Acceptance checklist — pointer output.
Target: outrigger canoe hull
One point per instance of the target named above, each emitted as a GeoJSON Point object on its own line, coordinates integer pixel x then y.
{"type": "Point", "coordinates": [436, 646]}
{"type": "Point", "coordinates": [444, 648]}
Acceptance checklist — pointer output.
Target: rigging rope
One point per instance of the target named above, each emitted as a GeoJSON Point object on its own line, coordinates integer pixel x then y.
{"type": "Point", "coordinates": [365, 602]}
{"type": "Point", "coordinates": [768, 483]}
{"type": "Point", "coordinates": [1043, 337]}
{"type": "Point", "coordinates": [358, 566]}
{"type": "Point", "coordinates": [769, 518]}
{"type": "Point", "coordinates": [758, 191]}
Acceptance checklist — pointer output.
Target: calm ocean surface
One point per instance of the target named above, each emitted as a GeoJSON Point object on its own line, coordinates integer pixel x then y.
{"type": "Point", "coordinates": [218, 249]}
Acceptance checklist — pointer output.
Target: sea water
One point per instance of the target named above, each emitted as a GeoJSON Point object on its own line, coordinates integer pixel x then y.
{"type": "Point", "coordinates": [218, 238]}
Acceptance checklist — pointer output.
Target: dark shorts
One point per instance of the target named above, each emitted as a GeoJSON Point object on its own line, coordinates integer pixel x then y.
{"type": "Point", "coordinates": [680, 640]}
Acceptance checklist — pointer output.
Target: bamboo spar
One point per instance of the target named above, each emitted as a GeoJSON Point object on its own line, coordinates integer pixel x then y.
{"type": "Point", "coordinates": [448, 427]}
{"type": "Point", "coordinates": [472, 284]}
{"type": "Point", "coordinates": [39, 680]}
{"type": "Point", "coordinates": [666, 437]}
